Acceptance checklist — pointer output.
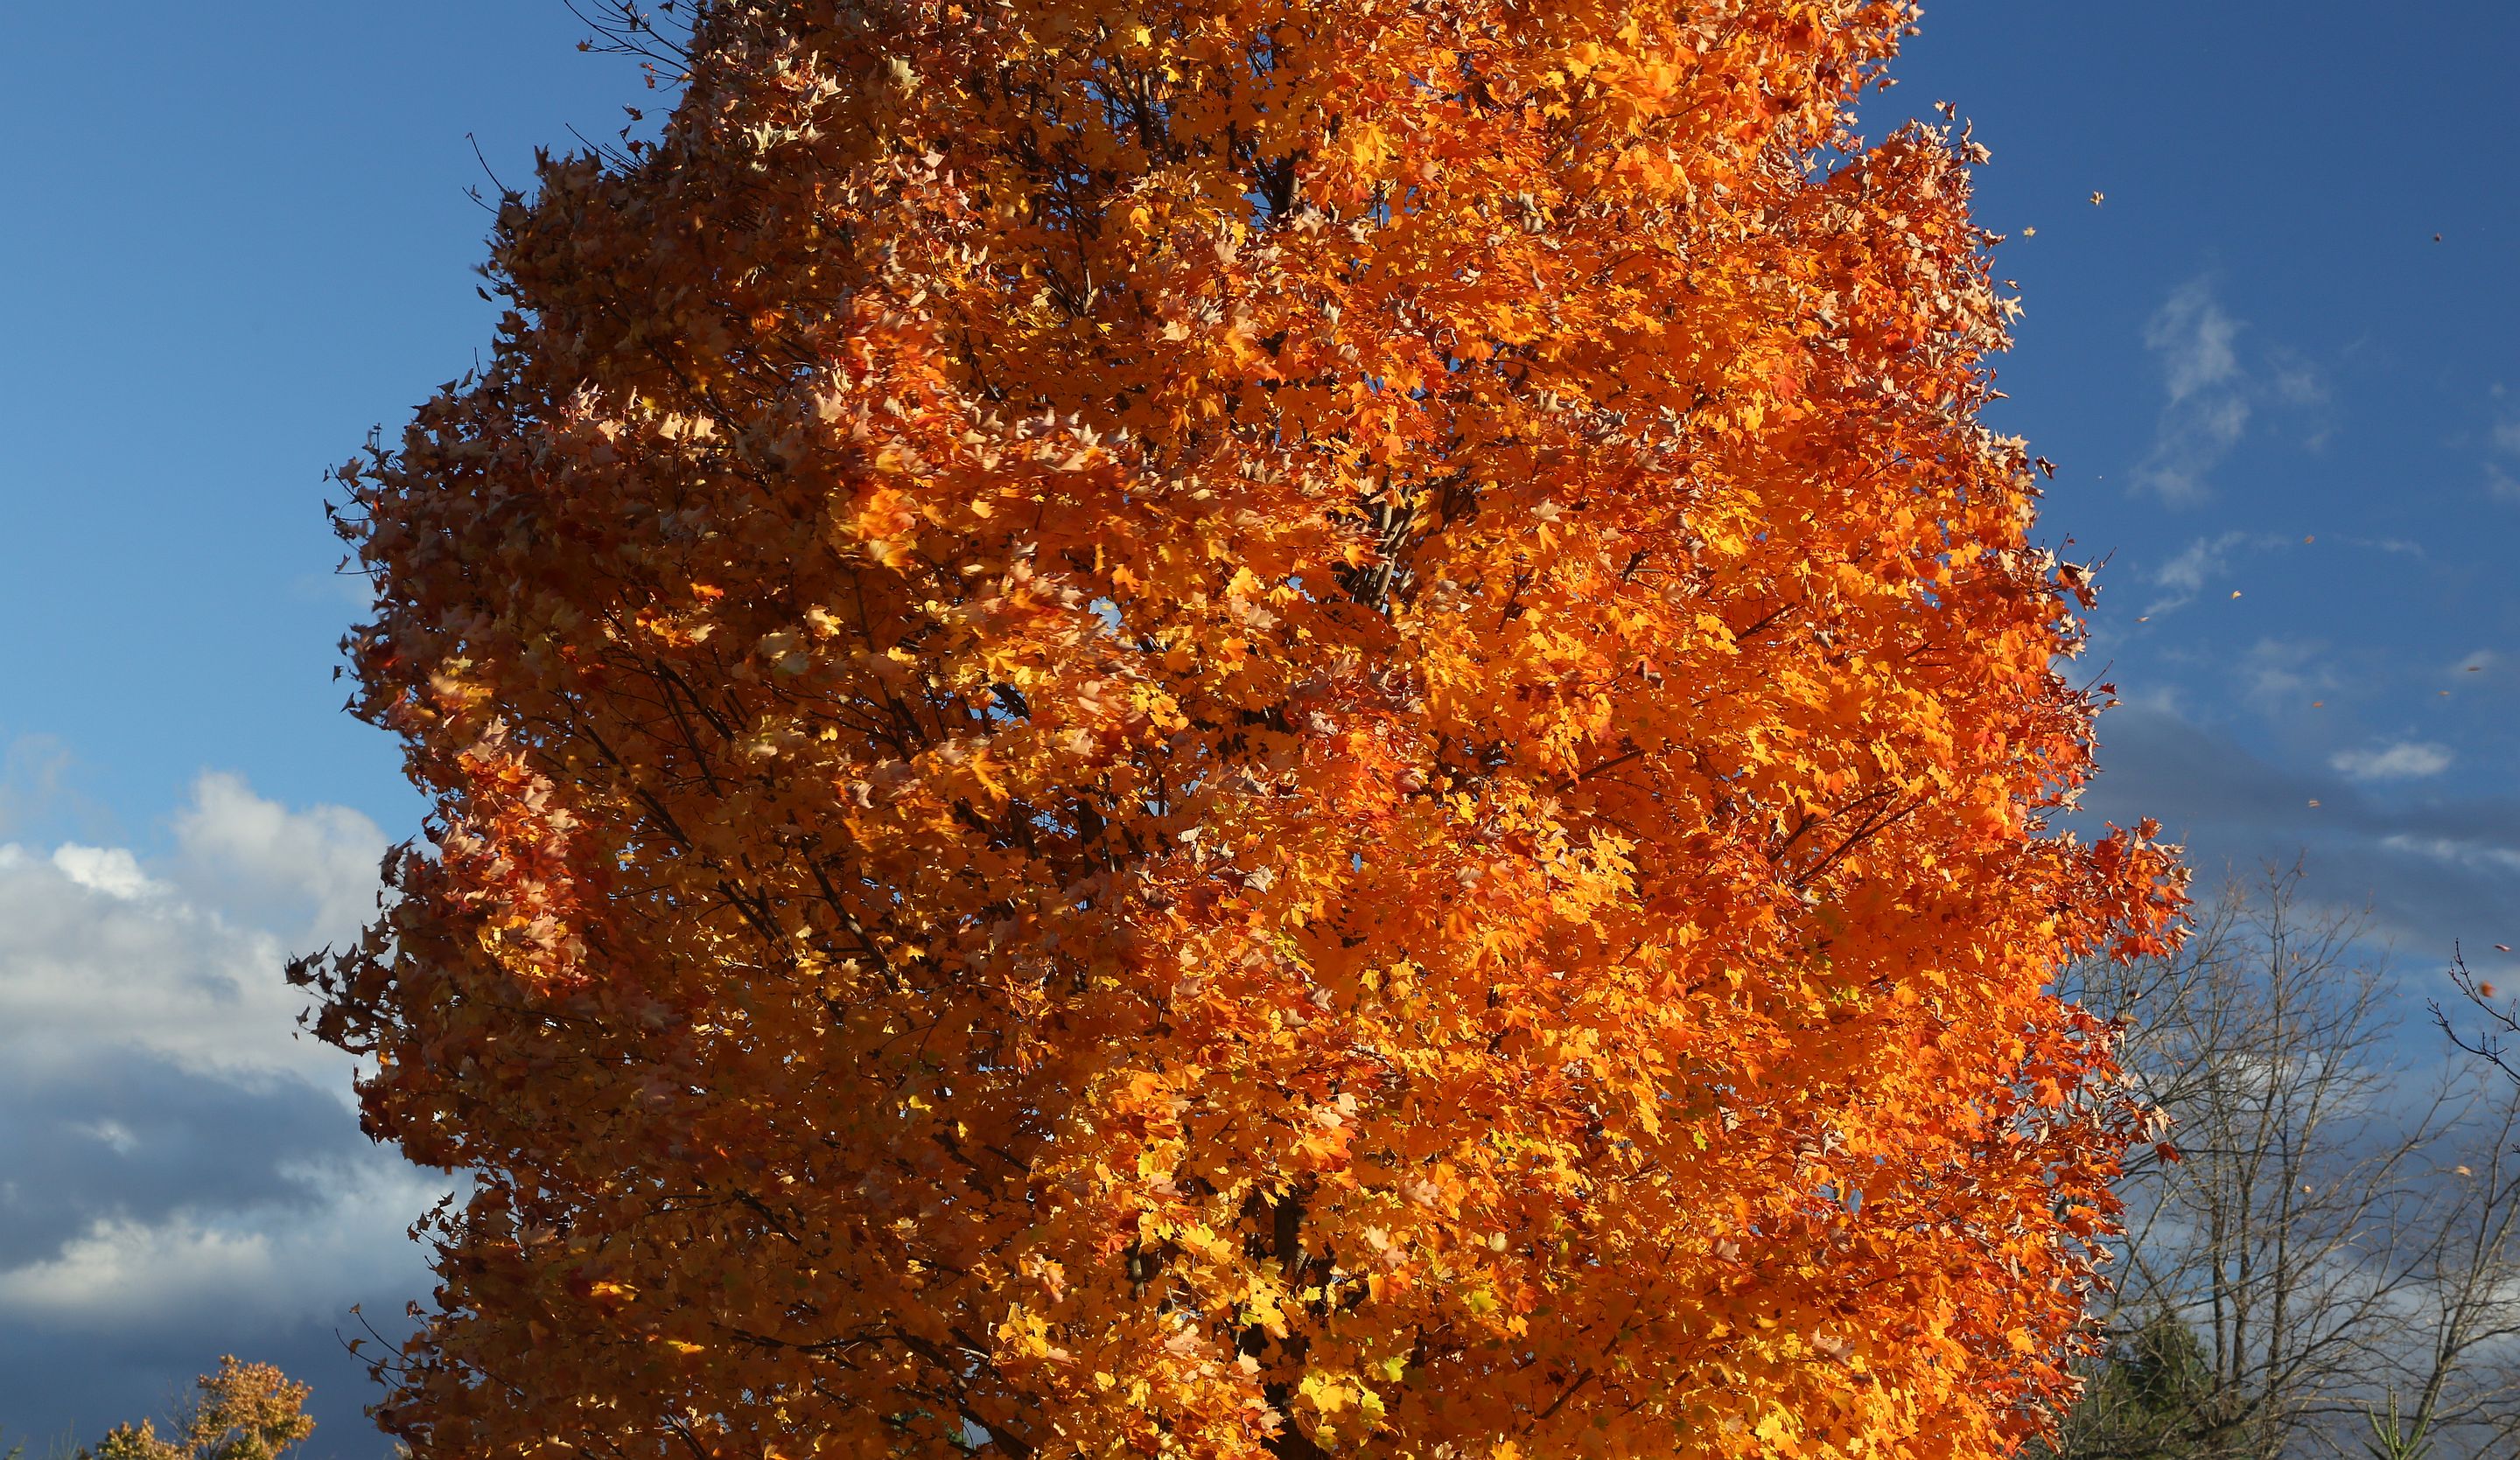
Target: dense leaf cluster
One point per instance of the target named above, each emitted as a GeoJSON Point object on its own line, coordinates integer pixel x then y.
{"type": "Point", "coordinates": [1240, 729]}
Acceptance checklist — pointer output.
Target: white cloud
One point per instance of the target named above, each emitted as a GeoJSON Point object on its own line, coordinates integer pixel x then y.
{"type": "Point", "coordinates": [177, 1156]}
{"type": "Point", "coordinates": [84, 968]}
{"type": "Point", "coordinates": [2462, 852]}
{"type": "Point", "coordinates": [2203, 563]}
{"type": "Point", "coordinates": [2403, 760]}
{"type": "Point", "coordinates": [2211, 398]}
{"type": "Point", "coordinates": [185, 965]}
{"type": "Point", "coordinates": [2194, 337]}
{"type": "Point", "coordinates": [2208, 411]}
{"type": "Point", "coordinates": [248, 1270]}
{"type": "Point", "coordinates": [314, 869]}
{"type": "Point", "coordinates": [110, 871]}
{"type": "Point", "coordinates": [107, 1276]}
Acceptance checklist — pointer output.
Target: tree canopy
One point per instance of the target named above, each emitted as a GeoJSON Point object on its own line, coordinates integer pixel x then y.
{"type": "Point", "coordinates": [1232, 730]}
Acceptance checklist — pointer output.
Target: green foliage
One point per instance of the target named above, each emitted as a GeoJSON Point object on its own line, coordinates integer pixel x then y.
{"type": "Point", "coordinates": [2396, 1438]}
{"type": "Point", "coordinates": [2151, 1397]}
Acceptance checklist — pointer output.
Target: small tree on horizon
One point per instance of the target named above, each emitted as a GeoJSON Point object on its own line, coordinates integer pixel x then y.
{"type": "Point", "coordinates": [1240, 730]}
{"type": "Point", "coordinates": [245, 1411]}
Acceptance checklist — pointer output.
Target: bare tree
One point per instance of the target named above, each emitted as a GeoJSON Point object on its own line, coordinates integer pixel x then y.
{"type": "Point", "coordinates": [2321, 1257]}
{"type": "Point", "coordinates": [2451, 1372]}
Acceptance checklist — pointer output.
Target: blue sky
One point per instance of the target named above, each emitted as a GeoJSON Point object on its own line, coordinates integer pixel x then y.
{"type": "Point", "coordinates": [2261, 375]}
{"type": "Point", "coordinates": [238, 237]}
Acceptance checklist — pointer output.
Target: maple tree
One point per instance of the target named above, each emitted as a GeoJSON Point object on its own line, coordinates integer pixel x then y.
{"type": "Point", "coordinates": [245, 1411]}
{"type": "Point", "coordinates": [1240, 729]}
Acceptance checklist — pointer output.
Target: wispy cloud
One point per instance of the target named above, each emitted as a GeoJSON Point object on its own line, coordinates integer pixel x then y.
{"type": "Point", "coordinates": [2209, 567]}
{"type": "Point", "coordinates": [2434, 871]}
{"type": "Point", "coordinates": [2203, 563]}
{"type": "Point", "coordinates": [2208, 411]}
{"type": "Point", "coordinates": [2401, 760]}
{"type": "Point", "coordinates": [35, 784]}
{"type": "Point", "coordinates": [2503, 449]}
{"type": "Point", "coordinates": [2194, 338]}
{"type": "Point", "coordinates": [2211, 396]}
{"type": "Point", "coordinates": [2465, 851]}
{"type": "Point", "coordinates": [2397, 547]}
{"type": "Point", "coordinates": [2278, 674]}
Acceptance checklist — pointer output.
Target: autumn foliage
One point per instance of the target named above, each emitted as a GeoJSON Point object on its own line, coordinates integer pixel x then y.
{"type": "Point", "coordinates": [1240, 729]}
{"type": "Point", "coordinates": [245, 1411]}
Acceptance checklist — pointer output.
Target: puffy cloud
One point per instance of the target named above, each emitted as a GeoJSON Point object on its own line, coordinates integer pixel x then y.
{"type": "Point", "coordinates": [98, 960]}
{"type": "Point", "coordinates": [125, 1135]}
{"type": "Point", "coordinates": [2403, 760]}
{"type": "Point", "coordinates": [253, 1266]}
{"type": "Point", "coordinates": [309, 873]}
{"type": "Point", "coordinates": [110, 871]}
{"type": "Point", "coordinates": [181, 1171]}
